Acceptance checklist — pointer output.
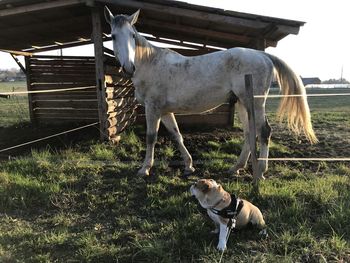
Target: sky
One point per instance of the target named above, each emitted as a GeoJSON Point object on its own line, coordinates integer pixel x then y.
{"type": "Point", "coordinates": [321, 49]}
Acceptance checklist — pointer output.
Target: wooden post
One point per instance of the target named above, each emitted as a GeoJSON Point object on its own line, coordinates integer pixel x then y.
{"type": "Point", "coordinates": [252, 129]}
{"type": "Point", "coordinates": [100, 74]}
{"type": "Point", "coordinates": [18, 63]}
{"type": "Point", "coordinates": [29, 88]}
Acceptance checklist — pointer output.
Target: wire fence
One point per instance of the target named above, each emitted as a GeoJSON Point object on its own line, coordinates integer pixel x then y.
{"type": "Point", "coordinates": [48, 137]}
{"type": "Point", "coordinates": [45, 91]}
{"type": "Point", "coordinates": [300, 95]}
{"type": "Point", "coordinates": [14, 108]}
{"type": "Point", "coordinates": [14, 111]}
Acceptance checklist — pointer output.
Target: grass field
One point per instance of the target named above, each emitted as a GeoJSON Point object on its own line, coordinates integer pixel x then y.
{"type": "Point", "coordinates": [13, 110]}
{"type": "Point", "coordinates": [82, 202]}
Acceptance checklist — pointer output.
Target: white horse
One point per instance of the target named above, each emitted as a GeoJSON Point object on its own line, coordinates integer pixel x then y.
{"type": "Point", "coordinates": [167, 82]}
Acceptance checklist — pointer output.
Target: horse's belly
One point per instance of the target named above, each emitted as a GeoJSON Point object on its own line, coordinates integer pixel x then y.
{"type": "Point", "coordinates": [200, 102]}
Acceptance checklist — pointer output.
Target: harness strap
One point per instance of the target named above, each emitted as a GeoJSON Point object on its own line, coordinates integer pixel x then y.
{"type": "Point", "coordinates": [232, 210]}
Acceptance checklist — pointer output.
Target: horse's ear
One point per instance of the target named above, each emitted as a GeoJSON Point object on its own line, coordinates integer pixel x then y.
{"type": "Point", "coordinates": [133, 18]}
{"type": "Point", "coordinates": [108, 15]}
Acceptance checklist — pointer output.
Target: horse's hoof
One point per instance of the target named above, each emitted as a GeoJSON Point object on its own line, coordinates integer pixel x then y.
{"type": "Point", "coordinates": [189, 171]}
{"type": "Point", "coordinates": [143, 173]}
{"type": "Point", "coordinates": [234, 170]}
{"type": "Point", "coordinates": [258, 179]}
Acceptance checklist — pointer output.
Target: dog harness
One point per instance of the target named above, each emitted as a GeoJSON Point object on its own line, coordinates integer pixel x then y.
{"type": "Point", "coordinates": [231, 211]}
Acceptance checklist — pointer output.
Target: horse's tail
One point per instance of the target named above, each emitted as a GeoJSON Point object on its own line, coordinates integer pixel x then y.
{"type": "Point", "coordinates": [295, 108]}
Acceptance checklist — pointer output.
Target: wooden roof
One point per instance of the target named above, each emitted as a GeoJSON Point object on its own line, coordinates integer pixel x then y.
{"type": "Point", "coordinates": [34, 25]}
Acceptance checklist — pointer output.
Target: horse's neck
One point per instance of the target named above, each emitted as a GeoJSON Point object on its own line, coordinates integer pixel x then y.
{"type": "Point", "coordinates": [145, 51]}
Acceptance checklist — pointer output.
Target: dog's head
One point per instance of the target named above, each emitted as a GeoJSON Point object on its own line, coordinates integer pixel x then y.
{"type": "Point", "coordinates": [207, 192]}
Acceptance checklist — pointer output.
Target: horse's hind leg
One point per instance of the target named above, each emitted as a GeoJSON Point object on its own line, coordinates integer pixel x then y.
{"type": "Point", "coordinates": [264, 134]}
{"type": "Point", "coordinates": [170, 123]}
{"type": "Point", "coordinates": [243, 157]}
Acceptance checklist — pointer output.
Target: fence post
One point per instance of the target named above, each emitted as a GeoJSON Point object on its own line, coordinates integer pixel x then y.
{"type": "Point", "coordinates": [29, 88]}
{"type": "Point", "coordinates": [252, 129]}
{"type": "Point", "coordinates": [99, 66]}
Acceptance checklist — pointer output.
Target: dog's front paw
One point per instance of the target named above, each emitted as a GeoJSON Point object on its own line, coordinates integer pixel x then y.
{"type": "Point", "coordinates": [263, 233]}
{"type": "Point", "coordinates": [221, 246]}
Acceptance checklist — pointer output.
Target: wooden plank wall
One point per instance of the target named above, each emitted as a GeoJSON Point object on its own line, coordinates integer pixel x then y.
{"type": "Point", "coordinates": [56, 72]}
{"type": "Point", "coordinates": [221, 116]}
{"type": "Point", "coordinates": [121, 102]}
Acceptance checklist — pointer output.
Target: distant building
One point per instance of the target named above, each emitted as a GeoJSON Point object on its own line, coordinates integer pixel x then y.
{"type": "Point", "coordinates": [308, 81]}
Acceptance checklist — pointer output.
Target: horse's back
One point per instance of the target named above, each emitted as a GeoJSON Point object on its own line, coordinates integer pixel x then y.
{"type": "Point", "coordinates": [181, 84]}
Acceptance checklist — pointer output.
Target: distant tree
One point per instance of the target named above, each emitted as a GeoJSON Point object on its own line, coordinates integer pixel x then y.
{"type": "Point", "coordinates": [11, 74]}
{"type": "Point", "coordinates": [336, 81]}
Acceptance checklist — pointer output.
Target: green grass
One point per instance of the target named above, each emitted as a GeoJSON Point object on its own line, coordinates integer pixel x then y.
{"type": "Point", "coordinates": [82, 201]}
{"type": "Point", "coordinates": [14, 110]}
{"type": "Point", "coordinates": [13, 86]}
{"type": "Point", "coordinates": [86, 204]}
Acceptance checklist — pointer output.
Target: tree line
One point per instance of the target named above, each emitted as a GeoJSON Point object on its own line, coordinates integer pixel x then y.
{"type": "Point", "coordinates": [11, 75]}
{"type": "Point", "coordinates": [336, 81]}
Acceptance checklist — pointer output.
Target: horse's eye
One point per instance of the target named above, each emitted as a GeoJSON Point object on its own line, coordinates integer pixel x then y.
{"type": "Point", "coordinates": [133, 35]}
{"type": "Point", "coordinates": [113, 37]}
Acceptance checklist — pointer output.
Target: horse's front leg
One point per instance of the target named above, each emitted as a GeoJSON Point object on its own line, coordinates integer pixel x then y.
{"type": "Point", "coordinates": [170, 123]}
{"type": "Point", "coordinates": [152, 120]}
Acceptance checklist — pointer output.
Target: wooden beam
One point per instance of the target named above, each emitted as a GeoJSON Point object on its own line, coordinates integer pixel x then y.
{"type": "Point", "coordinates": [64, 45]}
{"type": "Point", "coordinates": [18, 63]}
{"type": "Point", "coordinates": [187, 39]}
{"type": "Point", "coordinates": [193, 14]}
{"type": "Point", "coordinates": [180, 43]}
{"type": "Point", "coordinates": [288, 29]}
{"type": "Point", "coordinates": [259, 44]}
{"type": "Point", "coordinates": [176, 42]}
{"type": "Point", "coordinates": [99, 66]}
{"type": "Point", "coordinates": [17, 53]}
{"type": "Point", "coordinates": [195, 30]}
{"type": "Point", "coordinates": [51, 26]}
{"type": "Point", "coordinates": [39, 6]}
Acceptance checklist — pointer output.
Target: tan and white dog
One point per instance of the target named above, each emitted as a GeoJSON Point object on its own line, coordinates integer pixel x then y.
{"type": "Point", "coordinates": [219, 204]}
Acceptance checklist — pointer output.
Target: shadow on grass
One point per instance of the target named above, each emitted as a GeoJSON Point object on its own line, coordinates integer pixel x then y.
{"type": "Point", "coordinates": [26, 132]}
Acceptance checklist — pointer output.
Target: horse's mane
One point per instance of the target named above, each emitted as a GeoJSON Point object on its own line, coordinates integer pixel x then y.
{"type": "Point", "coordinates": [144, 49]}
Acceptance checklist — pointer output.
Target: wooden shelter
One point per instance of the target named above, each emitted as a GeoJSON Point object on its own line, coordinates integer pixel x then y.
{"type": "Point", "coordinates": [31, 26]}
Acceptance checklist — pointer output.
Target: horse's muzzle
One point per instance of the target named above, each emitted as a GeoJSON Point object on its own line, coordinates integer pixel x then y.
{"type": "Point", "coordinates": [129, 71]}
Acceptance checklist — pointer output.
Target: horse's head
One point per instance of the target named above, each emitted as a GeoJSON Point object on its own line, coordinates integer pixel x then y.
{"type": "Point", "coordinates": [123, 37]}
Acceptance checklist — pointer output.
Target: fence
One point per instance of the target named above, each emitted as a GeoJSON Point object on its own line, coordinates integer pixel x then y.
{"type": "Point", "coordinates": [120, 101]}
{"type": "Point", "coordinates": [61, 76]}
